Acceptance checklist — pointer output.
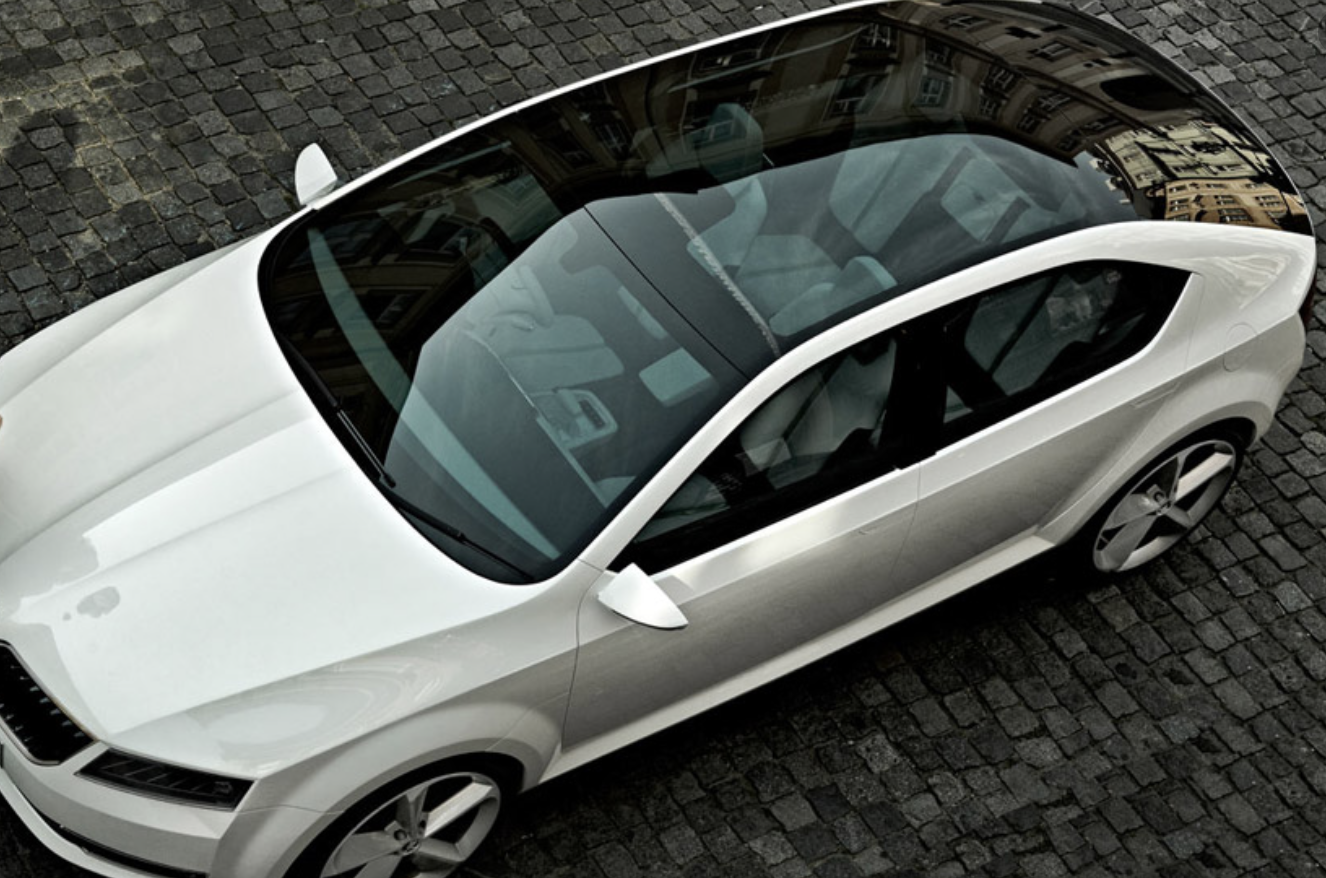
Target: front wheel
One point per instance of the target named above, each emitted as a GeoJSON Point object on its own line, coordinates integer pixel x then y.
{"type": "Point", "coordinates": [1165, 503]}
{"type": "Point", "coordinates": [425, 828]}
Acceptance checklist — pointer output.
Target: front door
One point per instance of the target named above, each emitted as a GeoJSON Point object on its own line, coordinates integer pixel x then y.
{"type": "Point", "coordinates": [787, 532]}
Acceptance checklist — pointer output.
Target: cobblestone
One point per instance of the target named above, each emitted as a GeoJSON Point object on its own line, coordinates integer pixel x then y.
{"type": "Point", "coordinates": [1171, 723]}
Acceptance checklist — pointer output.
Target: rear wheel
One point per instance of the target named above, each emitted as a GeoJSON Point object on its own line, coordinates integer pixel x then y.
{"type": "Point", "coordinates": [1164, 504]}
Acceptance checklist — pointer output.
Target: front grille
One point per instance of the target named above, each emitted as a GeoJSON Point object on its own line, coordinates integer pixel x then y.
{"type": "Point", "coordinates": [41, 727]}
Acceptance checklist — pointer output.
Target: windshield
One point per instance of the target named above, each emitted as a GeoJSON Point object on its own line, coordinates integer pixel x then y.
{"type": "Point", "coordinates": [515, 387]}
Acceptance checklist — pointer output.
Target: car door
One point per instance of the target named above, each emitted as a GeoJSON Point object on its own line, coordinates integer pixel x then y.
{"type": "Point", "coordinates": [786, 532]}
{"type": "Point", "coordinates": [1044, 391]}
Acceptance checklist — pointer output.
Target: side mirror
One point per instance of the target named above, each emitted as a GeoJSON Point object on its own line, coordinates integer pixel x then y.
{"type": "Point", "coordinates": [634, 596]}
{"type": "Point", "coordinates": [314, 175]}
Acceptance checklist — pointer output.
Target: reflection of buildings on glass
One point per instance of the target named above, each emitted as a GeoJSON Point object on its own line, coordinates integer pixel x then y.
{"type": "Point", "coordinates": [726, 74]}
{"type": "Point", "coordinates": [850, 79]}
{"type": "Point", "coordinates": [872, 58]}
{"type": "Point", "coordinates": [1005, 74]}
{"type": "Point", "coordinates": [858, 77]}
{"type": "Point", "coordinates": [1147, 157]}
{"type": "Point", "coordinates": [1032, 79]}
{"type": "Point", "coordinates": [1199, 171]}
{"type": "Point", "coordinates": [900, 70]}
{"type": "Point", "coordinates": [1240, 201]}
{"type": "Point", "coordinates": [1027, 89]}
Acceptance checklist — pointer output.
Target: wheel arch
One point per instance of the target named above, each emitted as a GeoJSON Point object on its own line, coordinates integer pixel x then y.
{"type": "Point", "coordinates": [502, 768]}
{"type": "Point", "coordinates": [1240, 429]}
{"type": "Point", "coordinates": [495, 723]}
{"type": "Point", "coordinates": [1241, 424]}
{"type": "Point", "coordinates": [1244, 428]}
{"type": "Point", "coordinates": [299, 806]}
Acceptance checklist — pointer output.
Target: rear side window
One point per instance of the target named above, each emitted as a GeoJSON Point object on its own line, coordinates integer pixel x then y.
{"type": "Point", "coordinates": [1017, 345]}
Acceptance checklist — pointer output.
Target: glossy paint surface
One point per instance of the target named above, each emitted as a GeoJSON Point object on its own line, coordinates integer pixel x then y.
{"type": "Point", "coordinates": [198, 572]}
{"type": "Point", "coordinates": [189, 522]}
{"type": "Point", "coordinates": [205, 601]}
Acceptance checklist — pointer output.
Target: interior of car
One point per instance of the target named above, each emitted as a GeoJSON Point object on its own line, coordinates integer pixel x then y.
{"type": "Point", "coordinates": [894, 209]}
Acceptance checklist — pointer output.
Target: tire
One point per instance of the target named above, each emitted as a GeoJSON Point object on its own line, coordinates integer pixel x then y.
{"type": "Point", "coordinates": [1162, 505]}
{"type": "Point", "coordinates": [426, 824]}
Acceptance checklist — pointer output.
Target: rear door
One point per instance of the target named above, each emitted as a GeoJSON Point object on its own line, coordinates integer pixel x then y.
{"type": "Point", "coordinates": [1043, 392]}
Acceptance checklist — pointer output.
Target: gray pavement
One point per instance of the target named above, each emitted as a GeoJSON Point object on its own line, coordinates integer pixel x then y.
{"type": "Point", "coordinates": [1171, 723]}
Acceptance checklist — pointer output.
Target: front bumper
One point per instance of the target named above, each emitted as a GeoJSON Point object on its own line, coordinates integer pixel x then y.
{"type": "Point", "coordinates": [104, 830]}
{"type": "Point", "coordinates": [119, 834]}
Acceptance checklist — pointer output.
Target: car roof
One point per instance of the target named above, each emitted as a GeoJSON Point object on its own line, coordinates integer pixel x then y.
{"type": "Point", "coordinates": [678, 226]}
{"type": "Point", "coordinates": [929, 138]}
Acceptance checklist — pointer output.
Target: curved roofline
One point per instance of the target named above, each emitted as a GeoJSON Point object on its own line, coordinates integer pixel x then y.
{"type": "Point", "coordinates": [562, 90]}
{"type": "Point", "coordinates": [748, 192]}
{"type": "Point", "coordinates": [1065, 14]}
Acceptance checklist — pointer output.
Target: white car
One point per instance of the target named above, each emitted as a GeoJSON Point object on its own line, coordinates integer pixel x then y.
{"type": "Point", "coordinates": [316, 550]}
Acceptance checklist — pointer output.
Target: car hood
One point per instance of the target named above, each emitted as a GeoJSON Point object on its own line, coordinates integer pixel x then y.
{"type": "Point", "coordinates": [178, 525]}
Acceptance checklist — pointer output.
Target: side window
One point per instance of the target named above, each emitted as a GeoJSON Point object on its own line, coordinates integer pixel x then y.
{"type": "Point", "coordinates": [1010, 348]}
{"type": "Point", "coordinates": [827, 430]}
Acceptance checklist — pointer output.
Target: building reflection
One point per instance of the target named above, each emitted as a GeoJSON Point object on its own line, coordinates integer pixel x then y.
{"type": "Point", "coordinates": [903, 70]}
{"type": "Point", "coordinates": [1200, 171]}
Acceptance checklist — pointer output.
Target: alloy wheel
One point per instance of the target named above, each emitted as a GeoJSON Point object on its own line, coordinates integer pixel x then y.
{"type": "Point", "coordinates": [1165, 504]}
{"type": "Point", "coordinates": [427, 831]}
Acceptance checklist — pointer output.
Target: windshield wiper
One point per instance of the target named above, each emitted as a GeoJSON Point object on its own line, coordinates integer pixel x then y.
{"type": "Point", "coordinates": [331, 403]}
{"type": "Point", "coordinates": [448, 530]}
{"type": "Point", "coordinates": [325, 398]}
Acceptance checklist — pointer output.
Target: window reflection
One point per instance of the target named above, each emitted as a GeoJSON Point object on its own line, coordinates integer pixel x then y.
{"type": "Point", "coordinates": [744, 197]}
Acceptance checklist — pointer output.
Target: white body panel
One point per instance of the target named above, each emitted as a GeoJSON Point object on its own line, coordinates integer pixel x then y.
{"type": "Point", "coordinates": [747, 603]}
{"type": "Point", "coordinates": [122, 583]}
{"type": "Point", "coordinates": [195, 568]}
{"type": "Point", "coordinates": [122, 562]}
{"type": "Point", "coordinates": [984, 504]}
{"type": "Point", "coordinates": [133, 566]}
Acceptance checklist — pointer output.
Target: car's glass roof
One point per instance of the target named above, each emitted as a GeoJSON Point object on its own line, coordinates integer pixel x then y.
{"type": "Point", "coordinates": [719, 207]}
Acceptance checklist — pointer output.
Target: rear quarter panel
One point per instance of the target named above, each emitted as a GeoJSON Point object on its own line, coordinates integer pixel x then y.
{"type": "Point", "coordinates": [1245, 348]}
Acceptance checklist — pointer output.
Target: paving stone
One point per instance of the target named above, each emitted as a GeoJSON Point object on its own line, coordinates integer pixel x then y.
{"type": "Point", "coordinates": [1171, 723]}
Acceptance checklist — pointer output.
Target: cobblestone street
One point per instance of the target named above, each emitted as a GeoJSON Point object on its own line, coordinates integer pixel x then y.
{"type": "Point", "coordinates": [1170, 723]}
